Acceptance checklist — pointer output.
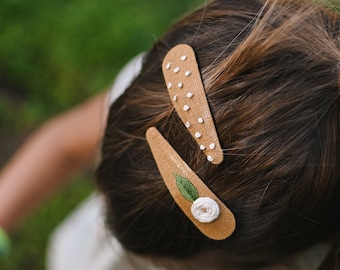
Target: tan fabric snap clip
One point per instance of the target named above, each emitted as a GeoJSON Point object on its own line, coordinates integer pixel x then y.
{"type": "Point", "coordinates": [185, 87]}
{"type": "Point", "coordinates": [205, 210]}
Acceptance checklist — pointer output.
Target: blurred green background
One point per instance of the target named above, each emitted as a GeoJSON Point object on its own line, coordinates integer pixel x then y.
{"type": "Point", "coordinates": [53, 55]}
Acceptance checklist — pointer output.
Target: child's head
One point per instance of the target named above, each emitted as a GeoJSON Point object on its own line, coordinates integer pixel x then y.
{"type": "Point", "coordinates": [271, 80]}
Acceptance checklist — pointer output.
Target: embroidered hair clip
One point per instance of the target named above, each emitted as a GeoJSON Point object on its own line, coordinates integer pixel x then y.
{"type": "Point", "coordinates": [185, 87]}
{"type": "Point", "coordinates": [205, 210]}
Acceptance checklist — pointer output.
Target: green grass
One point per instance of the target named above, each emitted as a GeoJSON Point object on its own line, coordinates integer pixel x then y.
{"type": "Point", "coordinates": [30, 240]}
{"type": "Point", "coordinates": [54, 54]}
{"type": "Point", "coordinates": [57, 53]}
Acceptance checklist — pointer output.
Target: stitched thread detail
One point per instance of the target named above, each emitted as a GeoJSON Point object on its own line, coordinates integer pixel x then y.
{"type": "Point", "coordinates": [191, 104]}
{"type": "Point", "coordinates": [186, 188]}
{"type": "Point", "coordinates": [172, 167]}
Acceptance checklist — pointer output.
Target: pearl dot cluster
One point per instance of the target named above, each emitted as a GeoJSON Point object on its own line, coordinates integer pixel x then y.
{"type": "Point", "coordinates": [186, 107]}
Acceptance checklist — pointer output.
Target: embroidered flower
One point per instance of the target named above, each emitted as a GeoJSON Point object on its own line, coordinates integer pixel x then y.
{"type": "Point", "coordinates": [205, 209]}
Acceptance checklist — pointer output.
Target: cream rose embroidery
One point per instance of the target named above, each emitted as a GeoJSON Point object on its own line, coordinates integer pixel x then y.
{"type": "Point", "coordinates": [205, 209]}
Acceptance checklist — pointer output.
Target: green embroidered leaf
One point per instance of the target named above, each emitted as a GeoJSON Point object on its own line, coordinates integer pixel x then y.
{"type": "Point", "coordinates": [186, 188]}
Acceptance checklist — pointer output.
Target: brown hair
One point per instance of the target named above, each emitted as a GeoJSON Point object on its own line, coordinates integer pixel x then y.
{"type": "Point", "coordinates": [270, 74]}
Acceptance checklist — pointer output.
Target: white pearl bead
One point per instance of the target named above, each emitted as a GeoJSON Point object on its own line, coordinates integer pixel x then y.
{"type": "Point", "coordinates": [190, 95]}
{"type": "Point", "coordinates": [169, 85]}
{"type": "Point", "coordinates": [198, 135]}
{"type": "Point", "coordinates": [176, 70]}
{"type": "Point", "coordinates": [187, 125]}
{"type": "Point", "coordinates": [202, 147]}
{"type": "Point", "coordinates": [184, 57]}
{"type": "Point", "coordinates": [187, 73]}
{"type": "Point", "coordinates": [186, 108]}
{"type": "Point", "coordinates": [180, 85]}
{"type": "Point", "coordinates": [168, 66]}
{"type": "Point", "coordinates": [200, 120]}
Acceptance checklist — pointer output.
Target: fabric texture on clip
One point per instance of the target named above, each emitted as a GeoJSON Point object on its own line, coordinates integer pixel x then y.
{"type": "Point", "coordinates": [185, 87]}
{"type": "Point", "coordinates": [171, 166]}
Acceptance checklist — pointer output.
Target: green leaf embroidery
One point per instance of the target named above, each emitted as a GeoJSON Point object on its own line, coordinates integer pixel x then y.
{"type": "Point", "coordinates": [186, 188]}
